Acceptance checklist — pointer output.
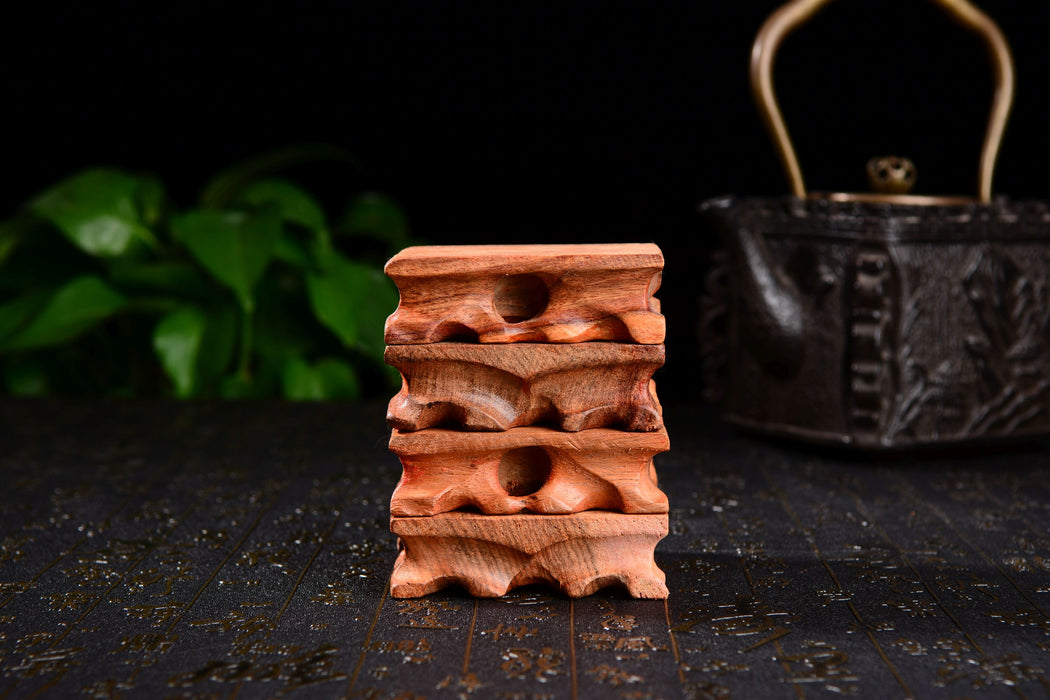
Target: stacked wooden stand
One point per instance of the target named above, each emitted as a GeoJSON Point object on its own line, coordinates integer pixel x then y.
{"type": "Point", "coordinates": [528, 420]}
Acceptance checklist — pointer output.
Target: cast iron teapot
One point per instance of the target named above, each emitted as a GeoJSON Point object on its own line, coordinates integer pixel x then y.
{"type": "Point", "coordinates": [880, 320]}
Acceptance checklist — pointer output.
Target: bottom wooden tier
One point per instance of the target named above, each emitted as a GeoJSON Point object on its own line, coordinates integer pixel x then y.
{"type": "Point", "coordinates": [489, 555]}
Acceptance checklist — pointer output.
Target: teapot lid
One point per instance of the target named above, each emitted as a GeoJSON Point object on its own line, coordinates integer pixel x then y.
{"type": "Point", "coordinates": [891, 177]}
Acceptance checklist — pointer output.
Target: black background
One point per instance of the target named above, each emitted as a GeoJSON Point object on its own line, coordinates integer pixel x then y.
{"type": "Point", "coordinates": [518, 122]}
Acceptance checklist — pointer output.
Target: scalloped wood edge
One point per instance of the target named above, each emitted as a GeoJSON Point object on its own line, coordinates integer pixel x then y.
{"type": "Point", "coordinates": [498, 387]}
{"type": "Point", "coordinates": [489, 555]}
{"type": "Point", "coordinates": [534, 470]}
{"type": "Point", "coordinates": [572, 293]}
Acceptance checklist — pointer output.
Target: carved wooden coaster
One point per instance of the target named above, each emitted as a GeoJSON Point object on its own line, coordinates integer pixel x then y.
{"type": "Point", "coordinates": [497, 387]}
{"type": "Point", "coordinates": [489, 555]}
{"type": "Point", "coordinates": [533, 470]}
{"type": "Point", "coordinates": [563, 500]}
{"type": "Point", "coordinates": [527, 293]}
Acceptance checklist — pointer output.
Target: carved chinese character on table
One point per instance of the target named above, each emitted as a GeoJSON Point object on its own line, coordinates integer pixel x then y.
{"type": "Point", "coordinates": [528, 420]}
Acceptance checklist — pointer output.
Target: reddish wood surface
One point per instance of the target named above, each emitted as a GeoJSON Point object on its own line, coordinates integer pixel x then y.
{"type": "Point", "coordinates": [532, 470]}
{"type": "Point", "coordinates": [527, 293]}
{"type": "Point", "coordinates": [490, 555]}
{"type": "Point", "coordinates": [498, 387]}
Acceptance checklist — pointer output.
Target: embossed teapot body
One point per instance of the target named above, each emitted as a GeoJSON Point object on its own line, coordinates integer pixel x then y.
{"type": "Point", "coordinates": [883, 320]}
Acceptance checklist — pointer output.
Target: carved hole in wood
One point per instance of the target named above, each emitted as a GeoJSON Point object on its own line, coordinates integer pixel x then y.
{"type": "Point", "coordinates": [524, 471]}
{"type": "Point", "coordinates": [455, 332]}
{"type": "Point", "coordinates": [518, 298]}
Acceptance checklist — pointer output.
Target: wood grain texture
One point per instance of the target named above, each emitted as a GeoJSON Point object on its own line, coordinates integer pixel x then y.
{"type": "Point", "coordinates": [490, 555]}
{"type": "Point", "coordinates": [527, 293]}
{"type": "Point", "coordinates": [527, 470]}
{"type": "Point", "coordinates": [498, 387]}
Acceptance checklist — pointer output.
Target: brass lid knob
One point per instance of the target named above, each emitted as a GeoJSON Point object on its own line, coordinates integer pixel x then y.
{"type": "Point", "coordinates": [891, 175]}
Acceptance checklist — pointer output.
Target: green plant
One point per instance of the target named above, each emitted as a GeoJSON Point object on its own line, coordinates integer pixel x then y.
{"type": "Point", "coordinates": [107, 289]}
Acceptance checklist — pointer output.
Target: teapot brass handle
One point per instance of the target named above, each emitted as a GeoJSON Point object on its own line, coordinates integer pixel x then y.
{"type": "Point", "coordinates": [789, 16]}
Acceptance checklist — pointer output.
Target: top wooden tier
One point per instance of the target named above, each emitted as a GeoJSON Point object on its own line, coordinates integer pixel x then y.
{"type": "Point", "coordinates": [527, 293]}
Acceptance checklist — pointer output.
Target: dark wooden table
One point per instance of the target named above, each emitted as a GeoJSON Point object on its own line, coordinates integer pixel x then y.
{"type": "Point", "coordinates": [158, 549]}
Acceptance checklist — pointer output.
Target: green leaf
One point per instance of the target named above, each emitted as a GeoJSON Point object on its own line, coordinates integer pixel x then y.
{"type": "Point", "coordinates": [11, 233]}
{"type": "Point", "coordinates": [42, 259]}
{"type": "Point", "coordinates": [177, 342]}
{"type": "Point", "coordinates": [168, 276]}
{"type": "Point", "coordinates": [326, 380]}
{"type": "Point", "coordinates": [218, 344]}
{"type": "Point", "coordinates": [234, 247]}
{"type": "Point", "coordinates": [292, 203]}
{"type": "Point", "coordinates": [338, 379]}
{"type": "Point", "coordinates": [7, 246]}
{"type": "Point", "coordinates": [98, 211]}
{"type": "Point", "coordinates": [377, 216]}
{"type": "Point", "coordinates": [292, 252]}
{"type": "Point", "coordinates": [151, 199]}
{"type": "Point", "coordinates": [17, 312]}
{"type": "Point", "coordinates": [73, 309]}
{"type": "Point", "coordinates": [26, 377]}
{"type": "Point", "coordinates": [353, 301]}
{"type": "Point", "coordinates": [237, 387]}
{"type": "Point", "coordinates": [284, 325]}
